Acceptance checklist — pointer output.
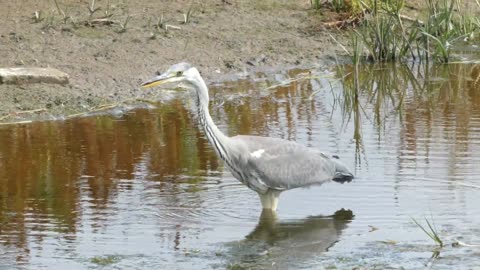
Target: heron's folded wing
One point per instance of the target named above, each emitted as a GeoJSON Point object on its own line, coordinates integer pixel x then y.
{"type": "Point", "coordinates": [291, 165]}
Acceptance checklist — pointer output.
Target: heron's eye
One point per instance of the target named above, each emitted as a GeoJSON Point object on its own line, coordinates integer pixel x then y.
{"type": "Point", "coordinates": [179, 73]}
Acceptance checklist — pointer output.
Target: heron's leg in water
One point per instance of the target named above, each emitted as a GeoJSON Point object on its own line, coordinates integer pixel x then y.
{"type": "Point", "coordinates": [270, 199]}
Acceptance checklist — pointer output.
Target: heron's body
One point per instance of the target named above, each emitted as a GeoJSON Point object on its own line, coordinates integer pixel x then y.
{"type": "Point", "coordinates": [265, 165]}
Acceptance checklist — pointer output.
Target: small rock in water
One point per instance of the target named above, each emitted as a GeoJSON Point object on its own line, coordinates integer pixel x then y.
{"type": "Point", "coordinates": [20, 75]}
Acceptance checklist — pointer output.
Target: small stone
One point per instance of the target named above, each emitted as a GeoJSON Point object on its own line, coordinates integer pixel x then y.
{"type": "Point", "coordinates": [20, 75]}
{"type": "Point", "coordinates": [257, 61]}
{"type": "Point", "coordinates": [229, 64]}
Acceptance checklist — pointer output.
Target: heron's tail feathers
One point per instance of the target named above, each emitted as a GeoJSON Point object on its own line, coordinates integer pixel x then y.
{"type": "Point", "coordinates": [342, 173]}
{"type": "Point", "coordinates": [343, 177]}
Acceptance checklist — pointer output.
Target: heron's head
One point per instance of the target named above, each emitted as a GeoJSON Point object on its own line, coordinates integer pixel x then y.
{"type": "Point", "coordinates": [181, 72]}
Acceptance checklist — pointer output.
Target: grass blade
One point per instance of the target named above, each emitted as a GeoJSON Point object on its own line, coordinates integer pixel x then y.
{"type": "Point", "coordinates": [432, 233]}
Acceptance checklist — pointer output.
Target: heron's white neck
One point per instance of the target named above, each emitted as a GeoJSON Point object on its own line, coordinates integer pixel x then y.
{"type": "Point", "coordinates": [216, 138]}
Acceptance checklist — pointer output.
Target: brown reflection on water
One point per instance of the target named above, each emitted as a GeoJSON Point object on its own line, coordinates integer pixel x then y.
{"type": "Point", "coordinates": [50, 172]}
{"type": "Point", "coordinates": [37, 174]}
{"type": "Point", "coordinates": [259, 112]}
{"type": "Point", "coordinates": [441, 110]}
{"type": "Point", "coordinates": [43, 166]}
{"type": "Point", "coordinates": [439, 103]}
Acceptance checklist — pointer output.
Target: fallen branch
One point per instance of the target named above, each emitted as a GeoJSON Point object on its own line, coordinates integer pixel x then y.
{"type": "Point", "coordinates": [23, 112]}
{"type": "Point", "coordinates": [342, 23]}
{"type": "Point", "coordinates": [172, 26]}
{"type": "Point", "coordinates": [99, 108]}
{"type": "Point", "coordinates": [340, 44]}
{"type": "Point", "coordinates": [105, 107]}
{"type": "Point", "coordinates": [16, 123]}
{"type": "Point", "coordinates": [405, 17]}
{"type": "Point", "coordinates": [300, 78]}
{"type": "Point", "coordinates": [101, 21]}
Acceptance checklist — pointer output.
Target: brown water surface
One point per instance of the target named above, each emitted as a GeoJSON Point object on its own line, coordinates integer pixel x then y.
{"type": "Point", "coordinates": [144, 190]}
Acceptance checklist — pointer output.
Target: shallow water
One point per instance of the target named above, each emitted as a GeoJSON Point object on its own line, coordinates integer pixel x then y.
{"type": "Point", "coordinates": [144, 190]}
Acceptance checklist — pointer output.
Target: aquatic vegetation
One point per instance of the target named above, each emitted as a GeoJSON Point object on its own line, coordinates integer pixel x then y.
{"type": "Point", "coordinates": [105, 260]}
{"type": "Point", "coordinates": [430, 230]}
{"type": "Point", "coordinates": [380, 92]}
{"type": "Point", "coordinates": [385, 36]}
{"type": "Point", "coordinates": [380, 38]}
{"type": "Point", "coordinates": [357, 48]}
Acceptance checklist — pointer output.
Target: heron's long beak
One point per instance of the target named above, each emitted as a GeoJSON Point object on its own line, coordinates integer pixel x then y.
{"type": "Point", "coordinates": [164, 78]}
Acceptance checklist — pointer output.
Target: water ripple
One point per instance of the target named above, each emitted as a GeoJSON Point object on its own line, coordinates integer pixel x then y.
{"type": "Point", "coordinates": [148, 192]}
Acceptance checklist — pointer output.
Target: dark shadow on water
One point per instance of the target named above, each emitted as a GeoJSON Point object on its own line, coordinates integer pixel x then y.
{"type": "Point", "coordinates": [287, 244]}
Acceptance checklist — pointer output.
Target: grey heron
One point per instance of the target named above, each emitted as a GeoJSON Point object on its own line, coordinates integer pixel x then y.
{"type": "Point", "coordinates": [266, 165]}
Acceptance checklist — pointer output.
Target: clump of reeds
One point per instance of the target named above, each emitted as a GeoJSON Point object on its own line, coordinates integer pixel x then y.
{"type": "Point", "coordinates": [387, 35]}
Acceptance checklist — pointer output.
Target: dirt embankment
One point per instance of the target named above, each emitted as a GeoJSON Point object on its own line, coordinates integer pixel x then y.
{"type": "Point", "coordinates": [107, 59]}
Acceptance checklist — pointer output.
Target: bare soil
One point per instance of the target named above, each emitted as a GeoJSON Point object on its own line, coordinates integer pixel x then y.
{"type": "Point", "coordinates": [106, 60]}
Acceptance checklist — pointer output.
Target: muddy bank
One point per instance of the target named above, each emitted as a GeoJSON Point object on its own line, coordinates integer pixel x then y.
{"type": "Point", "coordinates": [107, 59]}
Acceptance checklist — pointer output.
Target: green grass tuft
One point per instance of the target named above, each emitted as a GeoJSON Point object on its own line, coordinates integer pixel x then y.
{"type": "Point", "coordinates": [387, 35]}
{"type": "Point", "coordinates": [431, 231]}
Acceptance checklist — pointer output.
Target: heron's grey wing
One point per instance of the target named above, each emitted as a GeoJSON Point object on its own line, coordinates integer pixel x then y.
{"type": "Point", "coordinates": [282, 164]}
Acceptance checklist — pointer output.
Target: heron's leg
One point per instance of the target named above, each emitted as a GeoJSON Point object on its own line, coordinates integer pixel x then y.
{"type": "Point", "coordinates": [269, 199]}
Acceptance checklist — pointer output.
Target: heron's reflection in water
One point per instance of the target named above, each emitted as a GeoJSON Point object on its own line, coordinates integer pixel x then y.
{"type": "Point", "coordinates": [286, 244]}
